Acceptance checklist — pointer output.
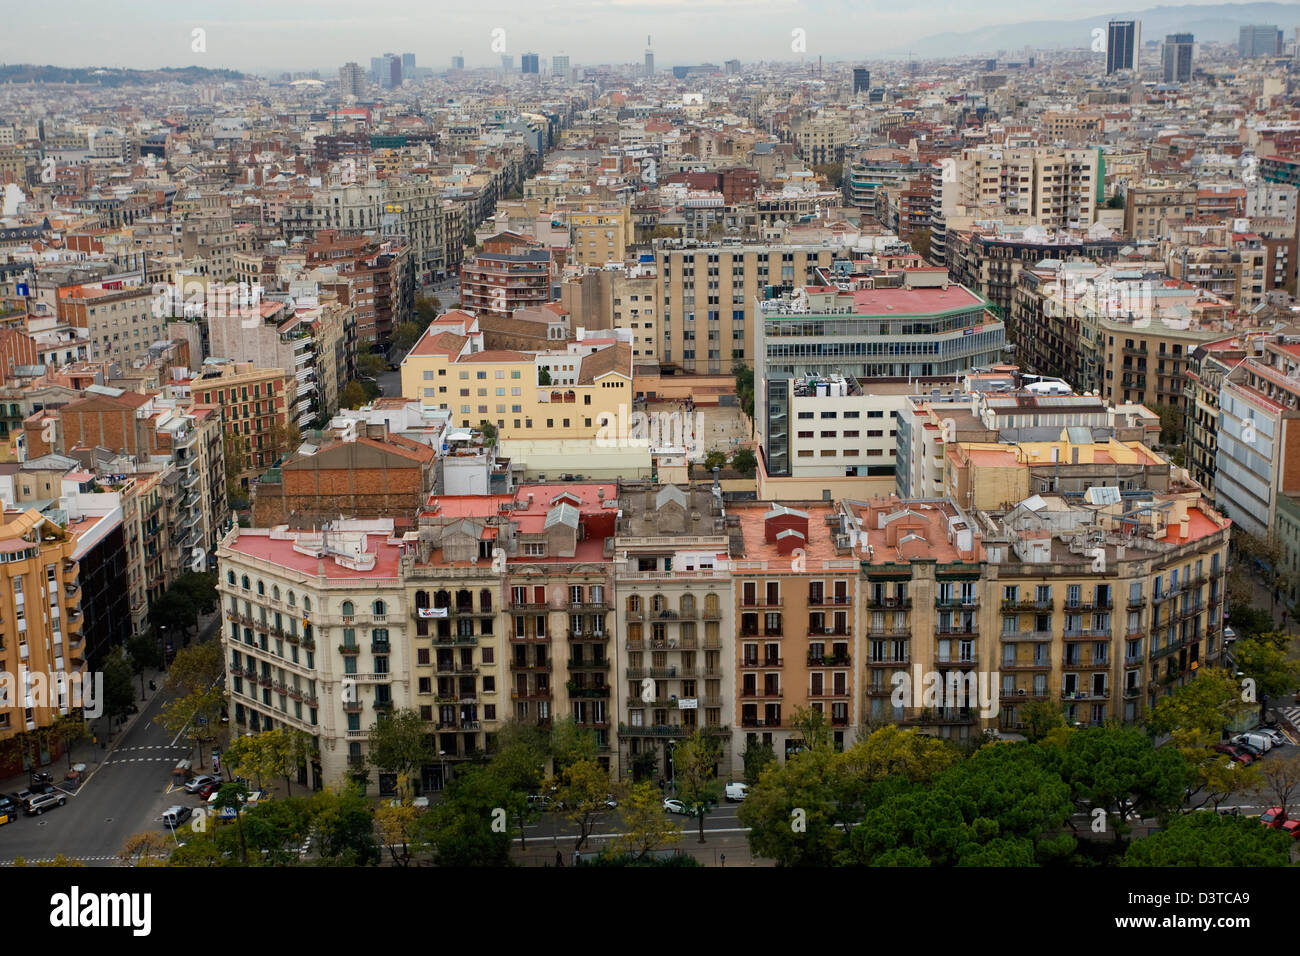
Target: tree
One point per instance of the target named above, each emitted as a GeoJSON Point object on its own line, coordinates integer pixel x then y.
{"type": "Point", "coordinates": [695, 762]}
{"type": "Point", "coordinates": [810, 728]}
{"type": "Point", "coordinates": [518, 767]}
{"type": "Point", "coordinates": [921, 242]}
{"type": "Point", "coordinates": [582, 790]}
{"type": "Point", "coordinates": [1119, 769]}
{"type": "Point", "coordinates": [1281, 774]}
{"type": "Point", "coordinates": [543, 376]}
{"type": "Point", "coordinates": [646, 827]}
{"type": "Point", "coordinates": [791, 813]}
{"type": "Point", "coordinates": [400, 744]}
{"type": "Point", "coordinates": [255, 756]}
{"type": "Point", "coordinates": [489, 431]}
{"type": "Point", "coordinates": [744, 388]}
{"type": "Point", "coordinates": [1208, 703]}
{"type": "Point", "coordinates": [426, 310]}
{"type": "Point", "coordinates": [1003, 806]}
{"type": "Point", "coordinates": [352, 396]}
{"type": "Point", "coordinates": [1115, 202]}
{"type": "Point", "coordinates": [119, 691]}
{"type": "Point", "coordinates": [293, 748]}
{"type": "Point", "coordinates": [1211, 839]}
{"type": "Point", "coordinates": [195, 715]}
{"type": "Point", "coordinates": [757, 758]}
{"type": "Point", "coordinates": [67, 729]}
{"type": "Point", "coordinates": [570, 743]}
{"type": "Point", "coordinates": [833, 173]}
{"type": "Point", "coordinates": [345, 825]}
{"type": "Point", "coordinates": [744, 462]}
{"type": "Point", "coordinates": [715, 459]}
{"type": "Point", "coordinates": [468, 827]}
{"type": "Point", "coordinates": [199, 588]}
{"type": "Point", "coordinates": [231, 796]}
{"type": "Point", "coordinates": [371, 365]}
{"type": "Point", "coordinates": [1040, 717]}
{"type": "Point", "coordinates": [396, 826]}
{"type": "Point", "coordinates": [196, 668]}
{"type": "Point", "coordinates": [149, 848]}
{"type": "Point", "coordinates": [1266, 659]}
{"type": "Point", "coordinates": [405, 335]}
{"type": "Point", "coordinates": [1171, 424]}
{"type": "Point", "coordinates": [277, 829]}
{"type": "Point", "coordinates": [145, 654]}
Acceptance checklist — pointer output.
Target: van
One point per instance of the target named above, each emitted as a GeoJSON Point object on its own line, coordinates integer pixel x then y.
{"type": "Point", "coordinates": [737, 792]}
{"type": "Point", "coordinates": [1261, 742]}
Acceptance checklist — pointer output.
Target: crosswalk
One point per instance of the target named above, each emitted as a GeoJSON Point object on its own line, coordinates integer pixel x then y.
{"type": "Point", "coordinates": [151, 747]}
{"type": "Point", "coordinates": [140, 760]}
{"type": "Point", "coordinates": [1291, 715]}
{"type": "Point", "coordinates": [50, 859]}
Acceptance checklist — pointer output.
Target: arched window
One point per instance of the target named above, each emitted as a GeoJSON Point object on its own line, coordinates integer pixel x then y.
{"type": "Point", "coordinates": [230, 578]}
{"type": "Point", "coordinates": [660, 603]}
{"type": "Point", "coordinates": [348, 610]}
{"type": "Point", "coordinates": [485, 600]}
{"type": "Point", "coordinates": [688, 605]}
{"type": "Point", "coordinates": [261, 588]}
{"type": "Point", "coordinates": [380, 608]}
{"type": "Point", "coordinates": [421, 598]}
{"type": "Point", "coordinates": [306, 603]}
{"type": "Point", "coordinates": [634, 604]}
{"type": "Point", "coordinates": [292, 599]}
{"type": "Point", "coordinates": [275, 592]}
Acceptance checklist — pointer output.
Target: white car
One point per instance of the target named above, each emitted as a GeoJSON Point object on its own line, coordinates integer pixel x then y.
{"type": "Point", "coordinates": [737, 792]}
{"type": "Point", "coordinates": [674, 806]}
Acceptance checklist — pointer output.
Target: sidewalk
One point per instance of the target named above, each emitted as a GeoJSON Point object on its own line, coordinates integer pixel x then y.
{"type": "Point", "coordinates": [94, 750]}
{"type": "Point", "coordinates": [734, 846]}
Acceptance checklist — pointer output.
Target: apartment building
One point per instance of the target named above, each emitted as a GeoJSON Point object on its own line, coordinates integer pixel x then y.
{"type": "Point", "coordinates": [796, 606]}
{"type": "Point", "coordinates": [508, 272]}
{"type": "Point", "coordinates": [1257, 461]}
{"type": "Point", "coordinates": [41, 626]}
{"type": "Point", "coordinates": [709, 299]}
{"type": "Point", "coordinates": [120, 322]}
{"type": "Point", "coordinates": [1203, 374]}
{"type": "Point", "coordinates": [1150, 209]}
{"type": "Point", "coordinates": [600, 236]}
{"type": "Point", "coordinates": [254, 405]}
{"type": "Point", "coordinates": [675, 618]}
{"type": "Point", "coordinates": [1059, 188]}
{"type": "Point", "coordinates": [316, 638]}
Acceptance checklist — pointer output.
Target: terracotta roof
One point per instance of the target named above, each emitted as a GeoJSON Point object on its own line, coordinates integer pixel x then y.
{"type": "Point", "coordinates": [434, 342]}
{"type": "Point", "coordinates": [617, 358]}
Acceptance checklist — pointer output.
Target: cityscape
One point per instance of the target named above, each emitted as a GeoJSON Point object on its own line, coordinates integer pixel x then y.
{"type": "Point", "coordinates": [740, 453]}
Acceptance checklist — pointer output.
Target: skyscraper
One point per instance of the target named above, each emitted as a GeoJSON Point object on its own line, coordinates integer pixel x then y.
{"type": "Point", "coordinates": [394, 71]}
{"type": "Point", "coordinates": [1177, 58]}
{"type": "Point", "coordinates": [508, 62]}
{"type": "Point", "coordinates": [560, 67]}
{"type": "Point", "coordinates": [352, 79]}
{"type": "Point", "coordinates": [861, 80]}
{"type": "Point", "coordinates": [408, 65]}
{"type": "Point", "coordinates": [458, 63]}
{"type": "Point", "coordinates": [529, 63]}
{"type": "Point", "coordinates": [1259, 40]}
{"type": "Point", "coordinates": [649, 58]}
{"type": "Point", "coordinates": [1123, 41]}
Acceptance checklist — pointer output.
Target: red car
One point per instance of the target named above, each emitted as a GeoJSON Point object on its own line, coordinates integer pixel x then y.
{"type": "Point", "coordinates": [207, 790]}
{"type": "Point", "coordinates": [1236, 753]}
{"type": "Point", "coordinates": [1273, 817]}
{"type": "Point", "coordinates": [1292, 827]}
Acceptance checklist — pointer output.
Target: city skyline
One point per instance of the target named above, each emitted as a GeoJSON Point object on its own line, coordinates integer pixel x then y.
{"type": "Point", "coordinates": [246, 37]}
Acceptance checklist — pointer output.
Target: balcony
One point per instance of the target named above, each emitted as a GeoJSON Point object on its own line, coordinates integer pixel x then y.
{"type": "Point", "coordinates": [956, 635]}
{"type": "Point", "coordinates": [384, 706]}
{"type": "Point", "coordinates": [1031, 666]}
{"type": "Point", "coordinates": [459, 640]}
{"type": "Point", "coordinates": [956, 603]}
{"type": "Point", "coordinates": [349, 649]}
{"type": "Point", "coordinates": [541, 693]}
{"type": "Point", "coordinates": [527, 606]}
{"type": "Point", "coordinates": [829, 600]}
{"type": "Point", "coordinates": [965, 663]}
{"type": "Point", "coordinates": [381, 647]}
{"type": "Point", "coordinates": [880, 690]}
{"type": "Point", "coordinates": [516, 665]}
{"type": "Point", "coordinates": [1085, 695]}
{"type": "Point", "coordinates": [1026, 636]}
{"type": "Point", "coordinates": [587, 635]}
{"type": "Point", "coordinates": [670, 730]}
{"type": "Point", "coordinates": [586, 664]}
{"type": "Point", "coordinates": [591, 692]}
{"type": "Point", "coordinates": [841, 660]}
{"type": "Point", "coordinates": [845, 632]}
{"type": "Point", "coordinates": [352, 707]}
{"type": "Point", "coordinates": [884, 603]}
{"type": "Point", "coordinates": [522, 638]}
{"type": "Point", "coordinates": [1027, 605]}
{"type": "Point", "coordinates": [757, 604]}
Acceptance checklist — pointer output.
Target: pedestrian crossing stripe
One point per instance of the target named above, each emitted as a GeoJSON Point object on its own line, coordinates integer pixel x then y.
{"type": "Point", "coordinates": [50, 859]}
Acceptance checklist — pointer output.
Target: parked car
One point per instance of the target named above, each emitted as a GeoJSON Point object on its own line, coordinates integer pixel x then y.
{"type": "Point", "coordinates": [208, 789]}
{"type": "Point", "coordinates": [737, 792]}
{"type": "Point", "coordinates": [42, 802]}
{"type": "Point", "coordinates": [1273, 817]}
{"type": "Point", "coordinates": [202, 780]}
{"type": "Point", "coordinates": [674, 806]}
{"type": "Point", "coordinates": [1259, 741]}
{"type": "Point", "coordinates": [1279, 739]}
{"type": "Point", "coordinates": [1235, 752]}
{"type": "Point", "coordinates": [174, 816]}
{"type": "Point", "coordinates": [9, 807]}
{"type": "Point", "coordinates": [541, 801]}
{"type": "Point", "coordinates": [1251, 749]}
{"type": "Point", "coordinates": [1292, 827]}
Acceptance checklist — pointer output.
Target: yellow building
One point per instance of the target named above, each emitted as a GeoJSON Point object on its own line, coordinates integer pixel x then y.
{"type": "Point", "coordinates": [600, 236]}
{"type": "Point", "coordinates": [40, 630]}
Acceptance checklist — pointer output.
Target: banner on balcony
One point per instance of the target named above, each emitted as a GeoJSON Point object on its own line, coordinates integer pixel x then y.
{"type": "Point", "coordinates": [433, 611]}
{"type": "Point", "coordinates": [688, 703]}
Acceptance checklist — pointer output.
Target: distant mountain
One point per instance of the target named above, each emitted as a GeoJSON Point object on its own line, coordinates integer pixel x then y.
{"type": "Point", "coordinates": [1216, 23]}
{"type": "Point", "coordinates": [107, 76]}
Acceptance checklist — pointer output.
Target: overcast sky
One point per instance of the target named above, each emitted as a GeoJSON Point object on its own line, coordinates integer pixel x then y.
{"type": "Point", "coordinates": [258, 35]}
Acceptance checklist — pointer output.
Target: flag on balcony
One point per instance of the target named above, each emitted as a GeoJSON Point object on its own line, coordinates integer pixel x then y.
{"type": "Point", "coordinates": [433, 611]}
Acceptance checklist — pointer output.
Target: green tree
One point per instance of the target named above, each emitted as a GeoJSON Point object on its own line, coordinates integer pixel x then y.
{"type": "Point", "coordinates": [543, 376]}
{"type": "Point", "coordinates": [833, 173]}
{"type": "Point", "coordinates": [396, 825]}
{"type": "Point", "coordinates": [371, 365]}
{"type": "Point", "coordinates": [1266, 659]}
{"type": "Point", "coordinates": [1281, 774]}
{"type": "Point", "coordinates": [195, 715]}
{"type": "Point", "coordinates": [400, 743]}
{"type": "Point", "coordinates": [149, 848]}
{"type": "Point", "coordinates": [1120, 770]}
{"type": "Point", "coordinates": [1040, 717]}
{"type": "Point", "coordinates": [570, 743]}
{"type": "Point", "coordinates": [744, 388]}
{"type": "Point", "coordinates": [1210, 839]}
{"type": "Point", "coordinates": [1171, 424]}
{"type": "Point", "coordinates": [145, 653]}
{"type": "Point", "coordinates": [1001, 807]}
{"type": "Point", "coordinates": [467, 827]}
{"type": "Point", "coordinates": [757, 758]}
{"type": "Point", "coordinates": [231, 796]}
{"type": "Point", "coordinates": [744, 462]}
{"type": "Point", "coordinates": [67, 729]}
{"type": "Point", "coordinates": [405, 335]}
{"type": "Point", "coordinates": [345, 827]}
{"type": "Point", "coordinates": [255, 757]}
{"type": "Point", "coordinates": [715, 459]}
{"type": "Point", "coordinates": [199, 588]}
{"type": "Point", "coordinates": [119, 692]}
{"type": "Point", "coordinates": [518, 767]}
{"type": "Point", "coordinates": [489, 431]}
{"type": "Point", "coordinates": [695, 762]}
{"type": "Point", "coordinates": [1115, 202]}
{"type": "Point", "coordinates": [791, 812]}
{"type": "Point", "coordinates": [646, 827]}
{"type": "Point", "coordinates": [196, 668]}
{"type": "Point", "coordinates": [277, 829]}
{"type": "Point", "coordinates": [1206, 704]}
{"type": "Point", "coordinates": [352, 396]}
{"type": "Point", "coordinates": [581, 790]}
{"type": "Point", "coordinates": [810, 728]}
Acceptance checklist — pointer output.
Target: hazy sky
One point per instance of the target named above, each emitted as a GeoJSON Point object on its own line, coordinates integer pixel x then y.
{"type": "Point", "coordinates": [257, 35]}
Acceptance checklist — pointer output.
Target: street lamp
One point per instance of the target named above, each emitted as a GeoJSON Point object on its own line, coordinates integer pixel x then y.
{"type": "Point", "coordinates": [162, 644]}
{"type": "Point", "coordinates": [443, 755]}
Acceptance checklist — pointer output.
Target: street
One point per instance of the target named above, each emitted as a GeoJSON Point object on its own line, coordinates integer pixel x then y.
{"type": "Point", "coordinates": [125, 793]}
